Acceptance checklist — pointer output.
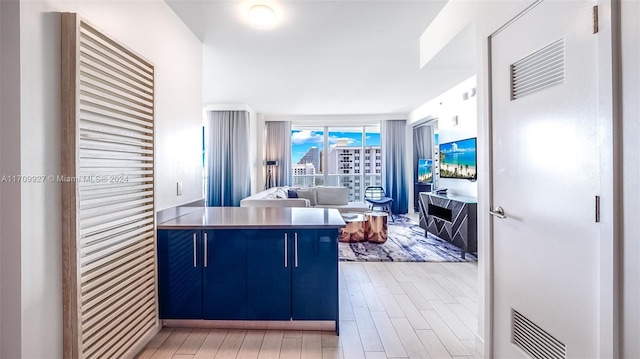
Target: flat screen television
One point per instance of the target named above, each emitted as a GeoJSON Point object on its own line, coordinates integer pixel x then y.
{"type": "Point", "coordinates": [425, 173]}
{"type": "Point", "coordinates": [458, 159]}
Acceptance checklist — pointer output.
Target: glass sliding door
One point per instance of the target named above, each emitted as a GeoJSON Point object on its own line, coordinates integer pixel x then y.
{"type": "Point", "coordinates": [346, 156]}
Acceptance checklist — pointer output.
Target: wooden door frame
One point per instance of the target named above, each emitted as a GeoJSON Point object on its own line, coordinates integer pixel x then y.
{"type": "Point", "coordinates": [610, 191]}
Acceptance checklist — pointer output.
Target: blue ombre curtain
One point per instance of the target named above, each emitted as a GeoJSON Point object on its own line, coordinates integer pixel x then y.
{"type": "Point", "coordinates": [227, 158]}
{"type": "Point", "coordinates": [393, 163]}
{"type": "Point", "coordinates": [278, 148]}
{"type": "Point", "coordinates": [422, 146]}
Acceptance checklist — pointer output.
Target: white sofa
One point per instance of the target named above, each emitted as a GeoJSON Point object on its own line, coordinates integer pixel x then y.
{"type": "Point", "coordinates": [318, 197]}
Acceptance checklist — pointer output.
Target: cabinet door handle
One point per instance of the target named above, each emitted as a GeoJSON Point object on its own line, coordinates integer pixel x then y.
{"type": "Point", "coordinates": [286, 251]}
{"type": "Point", "coordinates": [195, 251]}
{"type": "Point", "coordinates": [295, 244]}
{"type": "Point", "coordinates": [205, 250]}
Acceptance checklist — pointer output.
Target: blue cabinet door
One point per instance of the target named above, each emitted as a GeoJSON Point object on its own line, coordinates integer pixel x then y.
{"type": "Point", "coordinates": [180, 274]}
{"type": "Point", "coordinates": [268, 274]}
{"type": "Point", "coordinates": [224, 275]}
{"type": "Point", "coordinates": [315, 275]}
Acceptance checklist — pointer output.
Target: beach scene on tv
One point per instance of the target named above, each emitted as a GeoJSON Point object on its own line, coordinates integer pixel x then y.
{"type": "Point", "coordinates": [458, 159]}
{"type": "Point", "coordinates": [424, 171]}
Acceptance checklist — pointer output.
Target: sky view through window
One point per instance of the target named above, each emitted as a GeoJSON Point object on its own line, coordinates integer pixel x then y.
{"type": "Point", "coordinates": [302, 140]}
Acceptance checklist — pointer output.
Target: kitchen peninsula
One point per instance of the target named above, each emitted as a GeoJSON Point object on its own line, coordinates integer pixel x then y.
{"type": "Point", "coordinates": [250, 267]}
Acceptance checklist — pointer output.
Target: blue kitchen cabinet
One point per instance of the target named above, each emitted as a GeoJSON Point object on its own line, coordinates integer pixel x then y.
{"type": "Point", "coordinates": [248, 274]}
{"type": "Point", "coordinates": [224, 287]}
{"type": "Point", "coordinates": [201, 276]}
{"type": "Point", "coordinates": [314, 281]}
{"type": "Point", "coordinates": [268, 274]}
{"type": "Point", "coordinates": [292, 275]}
{"type": "Point", "coordinates": [179, 274]}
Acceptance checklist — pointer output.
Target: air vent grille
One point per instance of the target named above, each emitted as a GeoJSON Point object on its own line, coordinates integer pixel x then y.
{"type": "Point", "coordinates": [534, 340]}
{"type": "Point", "coordinates": [539, 70]}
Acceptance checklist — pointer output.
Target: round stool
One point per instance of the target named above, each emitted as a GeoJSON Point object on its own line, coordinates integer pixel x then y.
{"type": "Point", "coordinates": [356, 229]}
{"type": "Point", "coordinates": [377, 231]}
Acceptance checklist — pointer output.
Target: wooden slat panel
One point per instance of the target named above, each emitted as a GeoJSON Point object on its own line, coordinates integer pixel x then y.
{"type": "Point", "coordinates": [115, 224]}
{"type": "Point", "coordinates": [97, 253]}
{"type": "Point", "coordinates": [123, 271]}
{"type": "Point", "coordinates": [109, 96]}
{"type": "Point", "coordinates": [84, 144]}
{"type": "Point", "coordinates": [116, 80]}
{"type": "Point", "coordinates": [91, 326]}
{"type": "Point", "coordinates": [89, 112]}
{"type": "Point", "coordinates": [100, 101]}
{"type": "Point", "coordinates": [112, 198]}
{"type": "Point", "coordinates": [93, 49]}
{"type": "Point", "coordinates": [109, 131]}
{"type": "Point", "coordinates": [99, 62]}
{"type": "Point", "coordinates": [103, 261]}
{"type": "Point", "coordinates": [95, 300]}
{"type": "Point", "coordinates": [109, 243]}
{"type": "Point", "coordinates": [112, 191]}
{"type": "Point", "coordinates": [123, 52]}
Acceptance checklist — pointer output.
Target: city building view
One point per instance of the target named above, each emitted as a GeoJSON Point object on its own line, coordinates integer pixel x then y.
{"type": "Point", "coordinates": [347, 162]}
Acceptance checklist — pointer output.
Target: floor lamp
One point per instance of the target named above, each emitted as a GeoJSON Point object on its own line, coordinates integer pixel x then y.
{"type": "Point", "coordinates": [268, 183]}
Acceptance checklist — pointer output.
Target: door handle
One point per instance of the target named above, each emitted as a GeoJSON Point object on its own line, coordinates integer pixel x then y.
{"type": "Point", "coordinates": [195, 251]}
{"type": "Point", "coordinates": [295, 245]}
{"type": "Point", "coordinates": [497, 212]}
{"type": "Point", "coordinates": [205, 249]}
{"type": "Point", "coordinates": [286, 250]}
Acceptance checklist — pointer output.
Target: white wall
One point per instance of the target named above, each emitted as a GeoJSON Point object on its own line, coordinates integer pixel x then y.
{"type": "Point", "coordinates": [445, 107]}
{"type": "Point", "coordinates": [155, 32]}
{"type": "Point", "coordinates": [631, 187]}
{"type": "Point", "coordinates": [10, 244]}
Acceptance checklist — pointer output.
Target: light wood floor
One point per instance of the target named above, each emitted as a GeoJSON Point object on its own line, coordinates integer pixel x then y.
{"type": "Point", "coordinates": [387, 310]}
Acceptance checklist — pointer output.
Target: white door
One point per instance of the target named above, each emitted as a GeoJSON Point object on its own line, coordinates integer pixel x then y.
{"type": "Point", "coordinates": [545, 173]}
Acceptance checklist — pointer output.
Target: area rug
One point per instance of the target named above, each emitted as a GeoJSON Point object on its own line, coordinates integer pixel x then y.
{"type": "Point", "coordinates": [406, 242]}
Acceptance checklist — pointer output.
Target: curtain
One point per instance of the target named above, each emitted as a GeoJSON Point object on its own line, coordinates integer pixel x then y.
{"type": "Point", "coordinates": [227, 158]}
{"type": "Point", "coordinates": [422, 146]}
{"type": "Point", "coordinates": [393, 166]}
{"type": "Point", "coordinates": [278, 148]}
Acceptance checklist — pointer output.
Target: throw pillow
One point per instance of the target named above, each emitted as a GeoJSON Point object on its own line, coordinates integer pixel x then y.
{"type": "Point", "coordinates": [292, 194]}
{"type": "Point", "coordinates": [332, 195]}
{"type": "Point", "coordinates": [308, 193]}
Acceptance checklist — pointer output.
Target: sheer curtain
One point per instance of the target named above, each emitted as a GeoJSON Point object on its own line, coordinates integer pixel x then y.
{"type": "Point", "coordinates": [278, 148]}
{"type": "Point", "coordinates": [227, 157]}
{"type": "Point", "coordinates": [393, 163]}
{"type": "Point", "coordinates": [422, 146]}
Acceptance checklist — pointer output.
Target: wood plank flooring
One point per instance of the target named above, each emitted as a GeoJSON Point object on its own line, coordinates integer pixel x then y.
{"type": "Point", "coordinates": [387, 310]}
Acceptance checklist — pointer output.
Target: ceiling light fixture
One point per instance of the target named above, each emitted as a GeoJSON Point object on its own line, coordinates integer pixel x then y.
{"type": "Point", "coordinates": [262, 16]}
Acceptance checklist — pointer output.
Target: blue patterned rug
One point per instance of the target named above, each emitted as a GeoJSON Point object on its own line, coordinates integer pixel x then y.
{"type": "Point", "coordinates": [406, 243]}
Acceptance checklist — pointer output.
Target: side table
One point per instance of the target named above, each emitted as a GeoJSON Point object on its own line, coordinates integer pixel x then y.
{"type": "Point", "coordinates": [377, 231]}
{"type": "Point", "coordinates": [356, 228]}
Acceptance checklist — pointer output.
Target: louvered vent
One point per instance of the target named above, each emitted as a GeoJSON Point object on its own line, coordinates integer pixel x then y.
{"type": "Point", "coordinates": [539, 70]}
{"type": "Point", "coordinates": [108, 209]}
{"type": "Point", "coordinates": [534, 340]}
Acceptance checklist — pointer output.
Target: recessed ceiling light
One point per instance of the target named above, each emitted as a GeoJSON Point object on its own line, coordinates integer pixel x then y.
{"type": "Point", "coordinates": [262, 16]}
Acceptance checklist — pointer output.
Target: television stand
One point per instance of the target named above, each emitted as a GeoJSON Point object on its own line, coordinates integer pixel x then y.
{"type": "Point", "coordinates": [417, 189]}
{"type": "Point", "coordinates": [452, 218]}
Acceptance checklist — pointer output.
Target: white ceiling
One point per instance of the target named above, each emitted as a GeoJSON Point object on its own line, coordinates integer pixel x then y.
{"type": "Point", "coordinates": [324, 57]}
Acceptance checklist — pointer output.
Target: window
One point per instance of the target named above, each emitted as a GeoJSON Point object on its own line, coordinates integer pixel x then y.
{"type": "Point", "coordinates": [335, 153]}
{"type": "Point", "coordinates": [306, 151]}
